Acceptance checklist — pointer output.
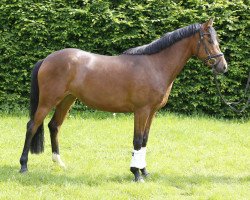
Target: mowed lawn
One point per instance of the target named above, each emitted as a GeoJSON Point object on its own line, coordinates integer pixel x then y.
{"type": "Point", "coordinates": [188, 158]}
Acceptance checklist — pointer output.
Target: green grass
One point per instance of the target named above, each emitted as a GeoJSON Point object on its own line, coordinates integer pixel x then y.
{"type": "Point", "coordinates": [188, 158]}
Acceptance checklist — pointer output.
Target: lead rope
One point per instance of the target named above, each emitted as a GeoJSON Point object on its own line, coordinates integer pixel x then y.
{"type": "Point", "coordinates": [232, 104]}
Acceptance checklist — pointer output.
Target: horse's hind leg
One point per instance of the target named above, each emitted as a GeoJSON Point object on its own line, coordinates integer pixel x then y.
{"type": "Point", "coordinates": [54, 125]}
{"type": "Point", "coordinates": [32, 127]}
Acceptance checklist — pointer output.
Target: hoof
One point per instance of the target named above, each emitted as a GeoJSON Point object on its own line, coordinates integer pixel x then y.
{"type": "Point", "coordinates": [23, 170]}
{"type": "Point", "coordinates": [61, 165]}
{"type": "Point", "coordinates": [139, 179]}
{"type": "Point", "coordinates": [145, 173]}
{"type": "Point", "coordinates": [57, 159]}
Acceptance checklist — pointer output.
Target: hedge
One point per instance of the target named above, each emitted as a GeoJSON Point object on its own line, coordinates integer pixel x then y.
{"type": "Point", "coordinates": [32, 29]}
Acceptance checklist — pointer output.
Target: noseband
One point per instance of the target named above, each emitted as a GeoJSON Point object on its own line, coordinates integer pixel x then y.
{"type": "Point", "coordinates": [210, 59]}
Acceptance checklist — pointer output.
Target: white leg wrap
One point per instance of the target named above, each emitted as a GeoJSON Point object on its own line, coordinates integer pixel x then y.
{"type": "Point", "coordinates": [56, 158]}
{"type": "Point", "coordinates": [139, 158]}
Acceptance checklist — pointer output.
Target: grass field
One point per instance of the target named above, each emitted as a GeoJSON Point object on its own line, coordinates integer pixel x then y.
{"type": "Point", "coordinates": [188, 158]}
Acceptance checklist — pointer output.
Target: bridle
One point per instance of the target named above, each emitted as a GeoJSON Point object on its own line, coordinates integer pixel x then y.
{"type": "Point", "coordinates": [211, 58]}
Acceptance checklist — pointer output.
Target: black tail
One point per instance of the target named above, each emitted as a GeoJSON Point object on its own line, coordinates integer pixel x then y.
{"type": "Point", "coordinates": [37, 143]}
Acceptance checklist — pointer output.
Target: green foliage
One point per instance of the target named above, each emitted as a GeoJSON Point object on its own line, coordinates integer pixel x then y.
{"type": "Point", "coordinates": [32, 29]}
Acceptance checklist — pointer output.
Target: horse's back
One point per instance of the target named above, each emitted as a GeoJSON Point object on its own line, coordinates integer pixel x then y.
{"type": "Point", "coordinates": [96, 80]}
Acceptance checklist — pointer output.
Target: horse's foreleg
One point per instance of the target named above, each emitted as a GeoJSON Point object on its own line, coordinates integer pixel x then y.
{"type": "Point", "coordinates": [138, 157]}
{"type": "Point", "coordinates": [145, 140]}
{"type": "Point", "coordinates": [54, 125]}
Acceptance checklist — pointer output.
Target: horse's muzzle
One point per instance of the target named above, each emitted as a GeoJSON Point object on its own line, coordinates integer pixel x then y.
{"type": "Point", "coordinates": [220, 67]}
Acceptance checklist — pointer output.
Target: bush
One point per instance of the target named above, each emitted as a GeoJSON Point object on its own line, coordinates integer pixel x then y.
{"type": "Point", "coordinates": [30, 30]}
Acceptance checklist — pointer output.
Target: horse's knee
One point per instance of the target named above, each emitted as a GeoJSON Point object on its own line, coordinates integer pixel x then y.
{"type": "Point", "coordinates": [137, 143]}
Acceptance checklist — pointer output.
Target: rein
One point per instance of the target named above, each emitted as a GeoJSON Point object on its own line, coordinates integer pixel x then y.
{"type": "Point", "coordinates": [233, 105]}
{"type": "Point", "coordinates": [212, 62]}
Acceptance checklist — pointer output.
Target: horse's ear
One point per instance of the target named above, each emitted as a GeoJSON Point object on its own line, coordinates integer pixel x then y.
{"type": "Point", "coordinates": [208, 24]}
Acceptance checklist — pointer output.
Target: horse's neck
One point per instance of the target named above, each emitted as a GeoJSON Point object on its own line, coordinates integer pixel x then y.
{"type": "Point", "coordinates": [172, 59]}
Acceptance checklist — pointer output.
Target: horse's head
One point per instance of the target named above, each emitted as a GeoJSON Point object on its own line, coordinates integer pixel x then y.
{"type": "Point", "coordinates": [208, 49]}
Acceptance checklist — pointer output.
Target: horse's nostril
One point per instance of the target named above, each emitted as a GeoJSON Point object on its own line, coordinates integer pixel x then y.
{"type": "Point", "coordinates": [225, 68]}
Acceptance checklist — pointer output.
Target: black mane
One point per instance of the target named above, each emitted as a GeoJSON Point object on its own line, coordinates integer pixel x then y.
{"type": "Point", "coordinates": [165, 41]}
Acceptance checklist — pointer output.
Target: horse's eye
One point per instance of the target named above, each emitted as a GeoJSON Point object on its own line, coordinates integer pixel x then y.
{"type": "Point", "coordinates": [210, 41]}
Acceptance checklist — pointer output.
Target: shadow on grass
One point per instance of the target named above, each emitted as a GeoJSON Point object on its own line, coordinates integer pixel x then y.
{"type": "Point", "coordinates": [59, 178]}
{"type": "Point", "coordinates": [39, 178]}
{"type": "Point", "coordinates": [180, 181]}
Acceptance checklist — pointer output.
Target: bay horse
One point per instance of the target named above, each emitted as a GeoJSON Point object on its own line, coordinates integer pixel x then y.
{"type": "Point", "coordinates": [138, 81]}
